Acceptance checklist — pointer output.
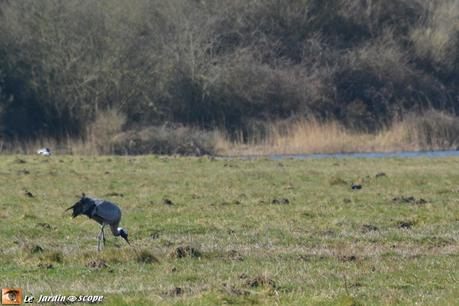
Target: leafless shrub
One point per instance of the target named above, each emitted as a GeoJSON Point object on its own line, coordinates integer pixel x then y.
{"type": "Point", "coordinates": [164, 140]}
{"type": "Point", "coordinates": [432, 130]}
{"type": "Point", "coordinates": [230, 64]}
{"type": "Point", "coordinates": [435, 37]}
{"type": "Point", "coordinates": [101, 131]}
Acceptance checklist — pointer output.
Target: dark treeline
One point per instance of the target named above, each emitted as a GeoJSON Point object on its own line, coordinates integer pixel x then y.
{"type": "Point", "coordinates": [224, 64]}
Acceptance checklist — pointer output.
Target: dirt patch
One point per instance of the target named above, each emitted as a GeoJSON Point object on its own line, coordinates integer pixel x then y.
{"type": "Point", "coordinates": [380, 174]}
{"type": "Point", "coordinates": [233, 290]}
{"type": "Point", "coordinates": [177, 291]}
{"type": "Point", "coordinates": [409, 200]}
{"type": "Point", "coordinates": [52, 256]}
{"type": "Point", "coordinates": [195, 196]}
{"type": "Point", "coordinates": [280, 201]}
{"type": "Point", "coordinates": [311, 257]}
{"type": "Point", "coordinates": [154, 235]}
{"type": "Point", "coordinates": [28, 194]}
{"type": "Point", "coordinates": [261, 281]}
{"type": "Point", "coordinates": [366, 228]}
{"type": "Point", "coordinates": [168, 202]}
{"type": "Point", "coordinates": [36, 249]}
{"type": "Point", "coordinates": [234, 202]}
{"type": "Point", "coordinates": [114, 194]}
{"type": "Point", "coordinates": [97, 264]}
{"type": "Point", "coordinates": [185, 251]}
{"type": "Point", "coordinates": [243, 276]}
{"type": "Point", "coordinates": [235, 255]}
{"type": "Point", "coordinates": [24, 172]}
{"type": "Point", "coordinates": [166, 243]}
{"type": "Point", "coordinates": [45, 265]}
{"type": "Point", "coordinates": [146, 257]}
{"type": "Point", "coordinates": [405, 224]}
{"type": "Point", "coordinates": [46, 226]}
{"type": "Point", "coordinates": [335, 181]}
{"type": "Point", "coordinates": [348, 258]}
{"type": "Point", "coordinates": [439, 242]}
{"type": "Point", "coordinates": [20, 161]}
{"type": "Point", "coordinates": [308, 214]}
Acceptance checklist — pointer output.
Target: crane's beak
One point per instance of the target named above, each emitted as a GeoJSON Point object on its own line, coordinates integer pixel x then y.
{"type": "Point", "coordinates": [77, 209]}
{"type": "Point", "coordinates": [70, 207]}
{"type": "Point", "coordinates": [127, 240]}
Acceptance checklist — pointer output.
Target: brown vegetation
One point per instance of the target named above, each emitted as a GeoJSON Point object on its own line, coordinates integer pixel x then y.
{"type": "Point", "coordinates": [431, 131]}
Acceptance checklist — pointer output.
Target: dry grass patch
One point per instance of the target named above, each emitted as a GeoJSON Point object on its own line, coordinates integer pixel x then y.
{"type": "Point", "coordinates": [430, 131]}
{"type": "Point", "coordinates": [145, 256]}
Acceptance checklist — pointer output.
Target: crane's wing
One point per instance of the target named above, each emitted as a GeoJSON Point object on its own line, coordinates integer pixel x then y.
{"type": "Point", "coordinates": [107, 211]}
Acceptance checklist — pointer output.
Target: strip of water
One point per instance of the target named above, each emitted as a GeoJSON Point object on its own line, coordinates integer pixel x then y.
{"type": "Point", "coordinates": [428, 154]}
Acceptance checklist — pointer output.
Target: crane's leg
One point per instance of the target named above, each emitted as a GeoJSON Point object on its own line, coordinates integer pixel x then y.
{"type": "Point", "coordinates": [103, 235]}
{"type": "Point", "coordinates": [100, 237]}
{"type": "Point", "coordinates": [98, 242]}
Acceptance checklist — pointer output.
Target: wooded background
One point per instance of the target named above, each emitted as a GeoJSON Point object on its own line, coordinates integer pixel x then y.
{"type": "Point", "coordinates": [226, 64]}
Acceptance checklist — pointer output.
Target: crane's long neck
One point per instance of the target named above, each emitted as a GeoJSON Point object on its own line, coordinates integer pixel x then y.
{"type": "Point", "coordinates": [116, 231]}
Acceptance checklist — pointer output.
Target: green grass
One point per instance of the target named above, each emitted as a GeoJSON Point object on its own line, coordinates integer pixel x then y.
{"type": "Point", "coordinates": [329, 245]}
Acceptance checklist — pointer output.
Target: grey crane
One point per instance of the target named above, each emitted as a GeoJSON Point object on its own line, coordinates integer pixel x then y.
{"type": "Point", "coordinates": [103, 212]}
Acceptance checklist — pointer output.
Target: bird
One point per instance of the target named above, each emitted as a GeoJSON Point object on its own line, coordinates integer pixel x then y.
{"type": "Point", "coordinates": [44, 152]}
{"type": "Point", "coordinates": [103, 212]}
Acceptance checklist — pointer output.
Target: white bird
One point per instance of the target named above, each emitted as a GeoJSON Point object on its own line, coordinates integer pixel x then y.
{"type": "Point", "coordinates": [104, 213]}
{"type": "Point", "coordinates": [44, 152]}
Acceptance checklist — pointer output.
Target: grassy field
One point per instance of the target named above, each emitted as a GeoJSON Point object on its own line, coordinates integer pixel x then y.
{"type": "Point", "coordinates": [235, 232]}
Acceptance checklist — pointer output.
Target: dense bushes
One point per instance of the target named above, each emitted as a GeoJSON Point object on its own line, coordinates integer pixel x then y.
{"type": "Point", "coordinates": [164, 140]}
{"type": "Point", "coordinates": [223, 64]}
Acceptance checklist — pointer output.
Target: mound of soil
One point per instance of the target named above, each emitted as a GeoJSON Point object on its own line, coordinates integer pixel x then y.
{"type": "Point", "coordinates": [409, 200]}
{"type": "Point", "coordinates": [146, 257]}
{"type": "Point", "coordinates": [366, 228]}
{"type": "Point", "coordinates": [405, 224]}
{"type": "Point", "coordinates": [45, 265]}
{"type": "Point", "coordinates": [235, 255]}
{"type": "Point", "coordinates": [261, 281]}
{"type": "Point", "coordinates": [186, 251]}
{"type": "Point", "coordinates": [177, 291]}
{"type": "Point", "coordinates": [280, 201]}
{"type": "Point", "coordinates": [167, 202]}
{"type": "Point", "coordinates": [97, 264]}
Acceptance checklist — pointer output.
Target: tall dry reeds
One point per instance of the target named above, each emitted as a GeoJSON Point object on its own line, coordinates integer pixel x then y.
{"type": "Point", "coordinates": [415, 132]}
{"type": "Point", "coordinates": [429, 131]}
